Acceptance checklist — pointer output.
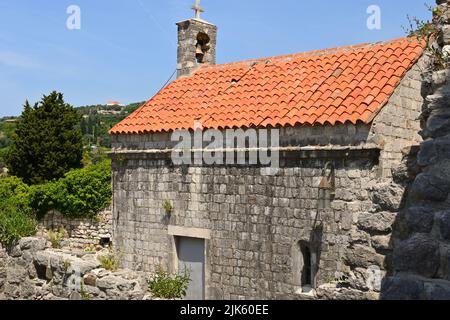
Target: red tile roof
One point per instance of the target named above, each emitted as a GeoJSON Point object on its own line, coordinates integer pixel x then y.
{"type": "Point", "coordinates": [345, 84]}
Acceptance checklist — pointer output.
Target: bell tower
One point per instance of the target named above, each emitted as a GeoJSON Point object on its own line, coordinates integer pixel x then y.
{"type": "Point", "coordinates": [196, 43]}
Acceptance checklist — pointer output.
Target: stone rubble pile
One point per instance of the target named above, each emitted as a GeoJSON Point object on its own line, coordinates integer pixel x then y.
{"type": "Point", "coordinates": [32, 270]}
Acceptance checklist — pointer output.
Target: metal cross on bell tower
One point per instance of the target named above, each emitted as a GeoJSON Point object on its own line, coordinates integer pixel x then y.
{"type": "Point", "coordinates": [198, 10]}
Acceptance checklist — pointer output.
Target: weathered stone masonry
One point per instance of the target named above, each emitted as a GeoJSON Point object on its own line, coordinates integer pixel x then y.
{"type": "Point", "coordinates": [257, 222]}
{"type": "Point", "coordinates": [82, 231]}
{"type": "Point", "coordinates": [421, 260]}
{"type": "Point", "coordinates": [31, 270]}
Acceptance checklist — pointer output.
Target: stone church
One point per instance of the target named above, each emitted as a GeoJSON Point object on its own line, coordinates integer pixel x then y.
{"type": "Point", "coordinates": [346, 118]}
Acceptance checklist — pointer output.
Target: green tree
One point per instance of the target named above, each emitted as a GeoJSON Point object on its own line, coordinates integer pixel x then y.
{"type": "Point", "coordinates": [47, 142]}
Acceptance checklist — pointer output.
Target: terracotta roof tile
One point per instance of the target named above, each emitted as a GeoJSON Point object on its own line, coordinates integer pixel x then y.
{"type": "Point", "coordinates": [346, 84]}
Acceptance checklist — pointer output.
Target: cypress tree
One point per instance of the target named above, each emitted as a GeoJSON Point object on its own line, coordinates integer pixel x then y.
{"type": "Point", "coordinates": [47, 142]}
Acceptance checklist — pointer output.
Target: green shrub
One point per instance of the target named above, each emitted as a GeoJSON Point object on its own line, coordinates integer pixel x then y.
{"type": "Point", "coordinates": [44, 198]}
{"type": "Point", "coordinates": [66, 264]}
{"type": "Point", "coordinates": [11, 186]}
{"type": "Point", "coordinates": [81, 193]}
{"type": "Point", "coordinates": [56, 236]}
{"type": "Point", "coordinates": [168, 207]}
{"type": "Point", "coordinates": [84, 295]}
{"type": "Point", "coordinates": [86, 191]}
{"type": "Point", "coordinates": [110, 261]}
{"type": "Point", "coordinates": [166, 286]}
{"type": "Point", "coordinates": [15, 222]}
{"type": "Point", "coordinates": [15, 190]}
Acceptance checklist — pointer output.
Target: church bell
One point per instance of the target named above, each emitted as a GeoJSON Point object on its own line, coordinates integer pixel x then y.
{"type": "Point", "coordinates": [199, 51]}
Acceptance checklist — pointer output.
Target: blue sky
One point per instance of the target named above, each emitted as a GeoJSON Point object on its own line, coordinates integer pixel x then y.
{"type": "Point", "coordinates": [126, 49]}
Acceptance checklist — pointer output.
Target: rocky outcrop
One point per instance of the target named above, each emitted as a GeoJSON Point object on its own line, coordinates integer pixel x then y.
{"type": "Point", "coordinates": [30, 270]}
{"type": "Point", "coordinates": [336, 292]}
{"type": "Point", "coordinates": [421, 256]}
{"type": "Point", "coordinates": [376, 222]}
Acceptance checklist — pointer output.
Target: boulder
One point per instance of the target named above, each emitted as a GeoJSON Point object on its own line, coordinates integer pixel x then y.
{"type": "Point", "coordinates": [27, 290]}
{"type": "Point", "coordinates": [92, 291]}
{"type": "Point", "coordinates": [434, 151]}
{"type": "Point", "coordinates": [59, 260]}
{"type": "Point", "coordinates": [401, 288]}
{"type": "Point", "coordinates": [419, 254]}
{"type": "Point", "coordinates": [381, 243]}
{"type": "Point", "coordinates": [438, 123]}
{"type": "Point", "coordinates": [100, 273]}
{"type": "Point", "coordinates": [14, 251]}
{"type": "Point", "coordinates": [443, 221]}
{"type": "Point", "coordinates": [16, 274]}
{"type": "Point", "coordinates": [419, 219]}
{"type": "Point", "coordinates": [363, 257]}
{"type": "Point", "coordinates": [367, 278]}
{"type": "Point", "coordinates": [387, 196]}
{"type": "Point", "coordinates": [438, 290]}
{"type": "Point", "coordinates": [429, 187]}
{"type": "Point", "coordinates": [436, 176]}
{"type": "Point", "coordinates": [376, 222]}
{"type": "Point", "coordinates": [32, 244]}
{"type": "Point", "coordinates": [75, 296]}
{"type": "Point", "coordinates": [331, 292]}
{"type": "Point", "coordinates": [90, 279]}
{"type": "Point", "coordinates": [115, 283]}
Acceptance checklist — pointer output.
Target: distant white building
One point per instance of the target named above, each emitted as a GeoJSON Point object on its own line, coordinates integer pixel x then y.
{"type": "Point", "coordinates": [109, 112]}
{"type": "Point", "coordinates": [114, 103]}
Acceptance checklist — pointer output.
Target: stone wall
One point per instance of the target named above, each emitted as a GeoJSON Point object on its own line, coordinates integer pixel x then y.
{"type": "Point", "coordinates": [31, 270]}
{"type": "Point", "coordinates": [421, 261]}
{"type": "Point", "coordinates": [397, 126]}
{"type": "Point", "coordinates": [81, 232]}
{"type": "Point", "coordinates": [257, 221]}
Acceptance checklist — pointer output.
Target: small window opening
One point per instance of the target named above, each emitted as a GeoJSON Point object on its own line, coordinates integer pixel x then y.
{"type": "Point", "coordinates": [202, 46]}
{"type": "Point", "coordinates": [105, 242]}
{"type": "Point", "coordinates": [307, 265]}
{"type": "Point", "coordinates": [304, 267]}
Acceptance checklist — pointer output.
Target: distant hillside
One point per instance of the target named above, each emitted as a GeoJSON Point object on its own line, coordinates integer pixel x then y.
{"type": "Point", "coordinates": [112, 110]}
{"type": "Point", "coordinates": [95, 124]}
{"type": "Point", "coordinates": [99, 119]}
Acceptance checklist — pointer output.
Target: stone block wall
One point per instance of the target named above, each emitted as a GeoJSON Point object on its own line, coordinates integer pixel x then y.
{"type": "Point", "coordinates": [256, 222]}
{"type": "Point", "coordinates": [397, 125]}
{"type": "Point", "coordinates": [81, 231]}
